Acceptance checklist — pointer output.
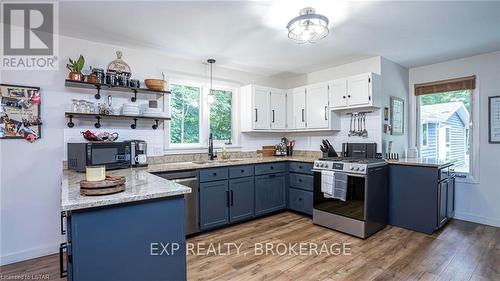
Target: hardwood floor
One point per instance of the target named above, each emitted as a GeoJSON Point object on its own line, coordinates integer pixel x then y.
{"type": "Point", "coordinates": [460, 251]}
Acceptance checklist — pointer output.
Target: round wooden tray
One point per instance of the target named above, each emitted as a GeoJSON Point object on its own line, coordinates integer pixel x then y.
{"type": "Point", "coordinates": [110, 185]}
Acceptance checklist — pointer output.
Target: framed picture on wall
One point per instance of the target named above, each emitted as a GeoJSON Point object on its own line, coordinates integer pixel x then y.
{"type": "Point", "coordinates": [397, 109]}
{"type": "Point", "coordinates": [20, 112]}
{"type": "Point", "coordinates": [494, 119]}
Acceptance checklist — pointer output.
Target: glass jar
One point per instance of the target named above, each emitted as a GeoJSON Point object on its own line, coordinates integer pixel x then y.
{"type": "Point", "coordinates": [82, 106]}
{"type": "Point", "coordinates": [74, 105]}
{"type": "Point", "coordinates": [123, 79]}
{"type": "Point", "coordinates": [99, 75]}
{"type": "Point", "coordinates": [110, 78]}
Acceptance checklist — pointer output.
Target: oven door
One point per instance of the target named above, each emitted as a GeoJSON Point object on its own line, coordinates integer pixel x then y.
{"type": "Point", "coordinates": [353, 207]}
{"type": "Point", "coordinates": [112, 155]}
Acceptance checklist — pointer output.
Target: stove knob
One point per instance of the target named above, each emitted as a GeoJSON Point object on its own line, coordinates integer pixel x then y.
{"type": "Point", "coordinates": [362, 169]}
{"type": "Point", "coordinates": [352, 168]}
{"type": "Point", "coordinates": [357, 168]}
{"type": "Point", "coordinates": [316, 165]}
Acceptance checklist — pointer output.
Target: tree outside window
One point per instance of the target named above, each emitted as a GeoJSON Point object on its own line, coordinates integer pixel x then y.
{"type": "Point", "coordinates": [221, 115]}
{"type": "Point", "coordinates": [185, 113]}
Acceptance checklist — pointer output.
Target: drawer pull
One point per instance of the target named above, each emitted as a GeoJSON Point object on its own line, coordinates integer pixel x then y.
{"type": "Point", "coordinates": [272, 167]}
{"type": "Point", "coordinates": [300, 180]}
{"type": "Point", "coordinates": [63, 215]}
{"type": "Point", "coordinates": [242, 171]}
{"type": "Point", "coordinates": [215, 174]}
{"type": "Point", "coordinates": [300, 199]}
{"type": "Point", "coordinates": [300, 167]}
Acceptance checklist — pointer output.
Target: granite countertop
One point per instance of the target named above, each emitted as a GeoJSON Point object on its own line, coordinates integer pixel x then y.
{"type": "Point", "coordinates": [142, 185]}
{"type": "Point", "coordinates": [421, 162]}
{"type": "Point", "coordinates": [139, 185]}
{"type": "Point", "coordinates": [175, 166]}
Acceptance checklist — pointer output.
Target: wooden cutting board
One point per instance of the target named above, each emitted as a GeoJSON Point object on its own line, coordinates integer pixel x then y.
{"type": "Point", "coordinates": [110, 185]}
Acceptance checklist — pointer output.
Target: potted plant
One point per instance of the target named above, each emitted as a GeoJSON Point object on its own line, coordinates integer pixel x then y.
{"type": "Point", "coordinates": [75, 67]}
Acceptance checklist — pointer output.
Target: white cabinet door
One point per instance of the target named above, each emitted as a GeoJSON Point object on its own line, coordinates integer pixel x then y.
{"type": "Point", "coordinates": [338, 93]}
{"type": "Point", "coordinates": [358, 90]}
{"type": "Point", "coordinates": [317, 106]}
{"type": "Point", "coordinates": [278, 109]}
{"type": "Point", "coordinates": [299, 108]}
{"type": "Point", "coordinates": [261, 109]}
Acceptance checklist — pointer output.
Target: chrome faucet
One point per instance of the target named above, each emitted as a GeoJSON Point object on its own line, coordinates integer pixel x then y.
{"type": "Point", "coordinates": [211, 154]}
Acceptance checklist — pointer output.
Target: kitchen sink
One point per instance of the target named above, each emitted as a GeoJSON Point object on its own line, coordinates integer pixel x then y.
{"type": "Point", "coordinates": [201, 162]}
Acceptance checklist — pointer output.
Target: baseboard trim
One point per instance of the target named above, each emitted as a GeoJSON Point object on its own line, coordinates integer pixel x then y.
{"type": "Point", "coordinates": [477, 219]}
{"type": "Point", "coordinates": [29, 254]}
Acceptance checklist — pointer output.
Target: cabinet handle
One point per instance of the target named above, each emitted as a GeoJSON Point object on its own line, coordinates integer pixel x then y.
{"type": "Point", "coordinates": [242, 171]}
{"type": "Point", "coordinates": [303, 117]}
{"type": "Point", "coordinates": [326, 110]}
{"type": "Point", "coordinates": [215, 174]}
{"type": "Point", "coordinates": [273, 115]}
{"type": "Point", "coordinates": [227, 198]}
{"type": "Point", "coordinates": [300, 199]}
{"type": "Point", "coordinates": [232, 198]}
{"type": "Point", "coordinates": [300, 180]}
{"type": "Point", "coordinates": [300, 167]}
{"type": "Point", "coordinates": [62, 272]}
{"type": "Point", "coordinates": [63, 215]}
{"type": "Point", "coordinates": [343, 97]}
{"type": "Point", "coordinates": [272, 167]}
{"type": "Point", "coordinates": [256, 116]}
{"type": "Point", "coordinates": [348, 96]}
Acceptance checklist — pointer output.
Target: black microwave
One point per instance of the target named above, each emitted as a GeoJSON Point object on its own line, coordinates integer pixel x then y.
{"type": "Point", "coordinates": [113, 155]}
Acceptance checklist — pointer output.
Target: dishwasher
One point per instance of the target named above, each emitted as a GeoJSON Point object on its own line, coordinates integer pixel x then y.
{"type": "Point", "coordinates": [189, 179]}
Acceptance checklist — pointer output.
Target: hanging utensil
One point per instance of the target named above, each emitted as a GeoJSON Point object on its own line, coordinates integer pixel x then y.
{"type": "Point", "coordinates": [350, 126]}
{"type": "Point", "coordinates": [365, 132]}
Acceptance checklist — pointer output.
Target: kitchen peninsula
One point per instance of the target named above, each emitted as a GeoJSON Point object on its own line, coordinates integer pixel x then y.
{"type": "Point", "coordinates": [137, 234]}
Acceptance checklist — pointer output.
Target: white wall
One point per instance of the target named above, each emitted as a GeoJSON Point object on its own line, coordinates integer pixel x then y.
{"type": "Point", "coordinates": [312, 141]}
{"type": "Point", "coordinates": [395, 83]}
{"type": "Point", "coordinates": [477, 202]}
{"type": "Point", "coordinates": [30, 174]}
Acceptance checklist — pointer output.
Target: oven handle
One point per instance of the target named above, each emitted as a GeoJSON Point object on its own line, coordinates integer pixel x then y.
{"type": "Point", "coordinates": [349, 174]}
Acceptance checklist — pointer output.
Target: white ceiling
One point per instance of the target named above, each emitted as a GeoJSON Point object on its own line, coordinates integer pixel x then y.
{"type": "Point", "coordinates": [251, 35]}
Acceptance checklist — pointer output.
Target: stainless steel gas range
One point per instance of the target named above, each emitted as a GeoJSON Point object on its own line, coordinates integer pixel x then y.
{"type": "Point", "coordinates": [362, 210]}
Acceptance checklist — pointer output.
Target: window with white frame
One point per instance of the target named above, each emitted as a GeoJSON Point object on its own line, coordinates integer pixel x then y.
{"type": "Point", "coordinates": [194, 118]}
{"type": "Point", "coordinates": [221, 115]}
{"type": "Point", "coordinates": [185, 114]}
{"type": "Point", "coordinates": [445, 120]}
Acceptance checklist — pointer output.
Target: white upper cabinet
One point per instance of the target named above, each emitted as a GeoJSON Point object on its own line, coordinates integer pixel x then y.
{"type": "Point", "coordinates": [299, 108]}
{"type": "Point", "coordinates": [355, 92]}
{"type": "Point", "coordinates": [338, 93]}
{"type": "Point", "coordinates": [261, 109]}
{"type": "Point", "coordinates": [278, 109]}
{"type": "Point", "coordinates": [358, 90]}
{"type": "Point", "coordinates": [317, 106]}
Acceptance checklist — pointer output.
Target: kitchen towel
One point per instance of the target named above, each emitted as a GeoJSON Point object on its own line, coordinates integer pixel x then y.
{"type": "Point", "coordinates": [327, 183]}
{"type": "Point", "coordinates": [340, 187]}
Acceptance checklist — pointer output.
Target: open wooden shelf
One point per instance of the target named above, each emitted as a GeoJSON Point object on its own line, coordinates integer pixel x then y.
{"type": "Point", "coordinates": [98, 117]}
{"type": "Point", "coordinates": [116, 88]}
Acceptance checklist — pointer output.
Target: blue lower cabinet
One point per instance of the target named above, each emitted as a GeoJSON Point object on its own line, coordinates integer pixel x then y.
{"type": "Point", "coordinates": [134, 241]}
{"type": "Point", "coordinates": [241, 194]}
{"type": "Point", "coordinates": [270, 193]}
{"type": "Point", "coordinates": [301, 201]}
{"type": "Point", "coordinates": [214, 203]}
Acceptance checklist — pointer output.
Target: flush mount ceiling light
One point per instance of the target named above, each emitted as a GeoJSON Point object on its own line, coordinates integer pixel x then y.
{"type": "Point", "coordinates": [308, 27]}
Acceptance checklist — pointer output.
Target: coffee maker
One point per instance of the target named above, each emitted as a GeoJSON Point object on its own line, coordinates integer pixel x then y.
{"type": "Point", "coordinates": [138, 153]}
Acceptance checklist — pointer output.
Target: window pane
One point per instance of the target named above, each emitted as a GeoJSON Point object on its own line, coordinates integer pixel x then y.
{"type": "Point", "coordinates": [220, 115]}
{"type": "Point", "coordinates": [445, 135]}
{"type": "Point", "coordinates": [185, 111]}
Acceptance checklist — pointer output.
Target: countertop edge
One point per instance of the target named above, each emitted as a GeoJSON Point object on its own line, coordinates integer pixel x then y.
{"type": "Point", "coordinates": [427, 165]}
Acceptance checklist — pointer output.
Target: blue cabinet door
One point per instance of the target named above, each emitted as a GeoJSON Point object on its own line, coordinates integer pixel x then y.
{"type": "Point", "coordinates": [125, 242]}
{"type": "Point", "coordinates": [214, 203]}
{"type": "Point", "coordinates": [270, 193]}
{"type": "Point", "coordinates": [241, 198]}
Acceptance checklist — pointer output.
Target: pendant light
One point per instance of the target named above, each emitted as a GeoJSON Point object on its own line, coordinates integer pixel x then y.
{"type": "Point", "coordinates": [210, 97]}
{"type": "Point", "coordinates": [308, 27]}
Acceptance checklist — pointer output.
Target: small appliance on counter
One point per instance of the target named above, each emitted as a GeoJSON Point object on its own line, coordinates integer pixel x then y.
{"type": "Point", "coordinates": [138, 153]}
{"type": "Point", "coordinates": [113, 155]}
{"type": "Point", "coordinates": [359, 150]}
